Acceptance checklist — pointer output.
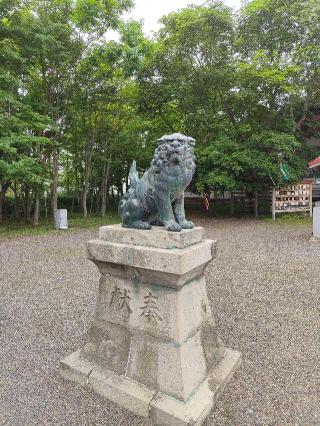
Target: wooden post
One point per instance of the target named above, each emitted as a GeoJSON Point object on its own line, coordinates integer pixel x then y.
{"type": "Point", "coordinates": [311, 205]}
{"type": "Point", "coordinates": [273, 203]}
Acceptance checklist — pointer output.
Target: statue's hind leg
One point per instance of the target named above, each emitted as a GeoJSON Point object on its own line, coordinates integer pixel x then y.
{"type": "Point", "coordinates": [133, 215]}
{"type": "Point", "coordinates": [156, 221]}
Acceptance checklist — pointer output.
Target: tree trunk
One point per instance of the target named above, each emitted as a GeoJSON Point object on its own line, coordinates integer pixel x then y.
{"type": "Point", "coordinates": [97, 204]}
{"type": "Point", "coordinates": [54, 181]}
{"type": "Point", "coordinates": [256, 212]}
{"type": "Point", "coordinates": [127, 181]}
{"type": "Point", "coordinates": [26, 205]}
{"type": "Point", "coordinates": [3, 191]}
{"type": "Point", "coordinates": [303, 116]}
{"type": "Point", "coordinates": [120, 190]}
{"type": "Point", "coordinates": [84, 199]}
{"type": "Point", "coordinates": [72, 205]}
{"type": "Point", "coordinates": [36, 208]}
{"type": "Point", "coordinates": [16, 201]}
{"type": "Point", "coordinates": [86, 190]}
{"type": "Point", "coordinates": [105, 187]}
{"type": "Point", "coordinates": [88, 158]}
{"type": "Point", "coordinates": [1, 206]}
{"type": "Point", "coordinates": [91, 204]}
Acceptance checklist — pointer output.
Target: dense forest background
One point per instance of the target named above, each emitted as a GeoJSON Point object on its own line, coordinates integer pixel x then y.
{"type": "Point", "coordinates": [76, 109]}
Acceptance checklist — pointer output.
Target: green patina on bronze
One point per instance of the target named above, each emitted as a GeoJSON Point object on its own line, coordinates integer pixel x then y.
{"type": "Point", "coordinates": [158, 197]}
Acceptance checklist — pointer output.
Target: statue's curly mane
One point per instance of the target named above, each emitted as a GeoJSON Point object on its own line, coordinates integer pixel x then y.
{"type": "Point", "coordinates": [173, 153]}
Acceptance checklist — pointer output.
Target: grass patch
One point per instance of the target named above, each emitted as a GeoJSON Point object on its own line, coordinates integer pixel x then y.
{"type": "Point", "coordinates": [290, 219]}
{"type": "Point", "coordinates": [11, 228]}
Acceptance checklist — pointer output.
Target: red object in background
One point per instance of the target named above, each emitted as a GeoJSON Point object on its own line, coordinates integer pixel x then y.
{"type": "Point", "coordinates": [206, 201]}
{"type": "Point", "coordinates": [307, 181]}
{"type": "Point", "coordinates": [314, 163]}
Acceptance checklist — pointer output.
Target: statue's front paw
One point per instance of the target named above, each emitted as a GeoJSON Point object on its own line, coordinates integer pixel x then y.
{"type": "Point", "coordinates": [173, 226]}
{"type": "Point", "coordinates": [187, 224]}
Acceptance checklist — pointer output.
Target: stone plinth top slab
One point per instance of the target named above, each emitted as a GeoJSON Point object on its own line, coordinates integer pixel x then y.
{"type": "Point", "coordinates": [174, 261]}
{"type": "Point", "coordinates": [157, 237]}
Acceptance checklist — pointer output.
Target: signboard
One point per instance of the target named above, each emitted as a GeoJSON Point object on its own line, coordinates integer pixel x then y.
{"type": "Point", "coordinates": [295, 198]}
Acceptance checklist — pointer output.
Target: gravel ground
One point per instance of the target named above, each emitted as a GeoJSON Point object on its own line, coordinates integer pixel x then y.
{"type": "Point", "coordinates": [264, 288]}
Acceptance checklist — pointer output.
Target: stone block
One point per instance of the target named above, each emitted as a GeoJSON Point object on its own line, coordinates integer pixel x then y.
{"type": "Point", "coordinates": [76, 369]}
{"type": "Point", "coordinates": [145, 276]}
{"type": "Point", "coordinates": [107, 345]}
{"type": "Point", "coordinates": [157, 237]}
{"type": "Point", "coordinates": [174, 261]}
{"type": "Point", "coordinates": [121, 390]}
{"type": "Point", "coordinates": [162, 409]}
{"type": "Point", "coordinates": [175, 369]}
{"type": "Point", "coordinates": [155, 310]}
{"type": "Point", "coordinates": [168, 411]}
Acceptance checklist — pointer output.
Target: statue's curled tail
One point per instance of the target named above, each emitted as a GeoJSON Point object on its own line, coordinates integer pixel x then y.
{"type": "Point", "coordinates": [134, 179]}
{"type": "Point", "coordinates": [133, 175]}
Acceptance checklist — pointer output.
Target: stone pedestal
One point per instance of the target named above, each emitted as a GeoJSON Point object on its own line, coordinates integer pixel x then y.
{"type": "Point", "coordinates": [153, 347]}
{"type": "Point", "coordinates": [316, 221]}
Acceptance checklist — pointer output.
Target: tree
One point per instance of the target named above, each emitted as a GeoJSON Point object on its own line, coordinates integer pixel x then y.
{"type": "Point", "coordinates": [63, 33]}
{"type": "Point", "coordinates": [102, 116]}
{"type": "Point", "coordinates": [232, 97]}
{"type": "Point", "coordinates": [22, 129]}
{"type": "Point", "coordinates": [288, 34]}
{"type": "Point", "coordinates": [75, 109]}
{"type": "Point", "coordinates": [186, 79]}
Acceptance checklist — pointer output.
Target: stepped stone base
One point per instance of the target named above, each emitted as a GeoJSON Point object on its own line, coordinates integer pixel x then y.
{"type": "Point", "coordinates": [153, 346]}
{"type": "Point", "coordinates": [163, 410]}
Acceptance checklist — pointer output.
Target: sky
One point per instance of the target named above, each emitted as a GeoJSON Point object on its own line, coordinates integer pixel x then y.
{"type": "Point", "coordinates": [152, 10]}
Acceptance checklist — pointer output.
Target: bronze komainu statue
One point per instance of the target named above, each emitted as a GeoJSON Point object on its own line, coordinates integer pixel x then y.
{"type": "Point", "coordinates": [158, 197]}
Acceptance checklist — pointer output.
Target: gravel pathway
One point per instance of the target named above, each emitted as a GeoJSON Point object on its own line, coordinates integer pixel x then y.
{"type": "Point", "coordinates": [265, 290]}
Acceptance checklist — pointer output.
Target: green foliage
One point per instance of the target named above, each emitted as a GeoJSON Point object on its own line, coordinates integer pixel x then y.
{"type": "Point", "coordinates": [199, 79]}
{"type": "Point", "coordinates": [76, 109]}
{"type": "Point", "coordinates": [97, 15]}
{"type": "Point", "coordinates": [13, 229]}
{"type": "Point", "coordinates": [22, 128]}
